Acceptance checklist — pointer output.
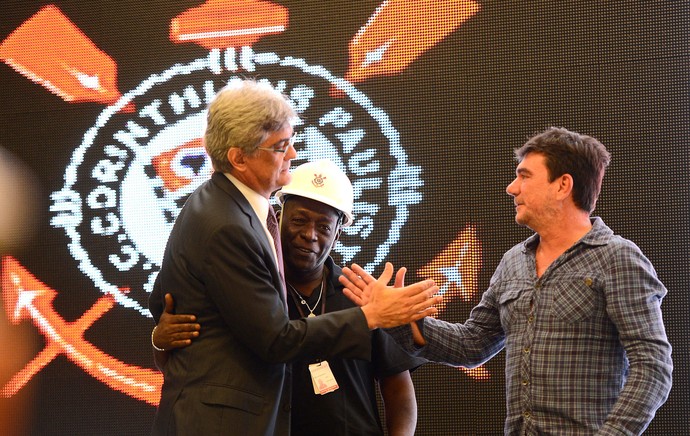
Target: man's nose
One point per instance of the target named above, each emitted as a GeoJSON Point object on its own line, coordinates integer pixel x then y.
{"type": "Point", "coordinates": [291, 153]}
{"type": "Point", "coordinates": [511, 188]}
{"type": "Point", "coordinates": [309, 232]}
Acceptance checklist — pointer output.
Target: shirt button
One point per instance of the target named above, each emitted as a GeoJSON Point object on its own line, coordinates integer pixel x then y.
{"type": "Point", "coordinates": [525, 350]}
{"type": "Point", "coordinates": [526, 414]}
{"type": "Point", "coordinates": [530, 319]}
{"type": "Point", "coordinates": [589, 281]}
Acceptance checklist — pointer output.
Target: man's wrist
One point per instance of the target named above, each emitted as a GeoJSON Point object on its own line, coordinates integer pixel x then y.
{"type": "Point", "coordinates": [417, 335]}
{"type": "Point", "coordinates": [369, 316]}
{"type": "Point", "coordinates": [153, 344]}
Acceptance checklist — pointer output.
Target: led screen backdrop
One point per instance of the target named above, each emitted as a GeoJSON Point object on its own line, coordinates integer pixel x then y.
{"type": "Point", "coordinates": [421, 102]}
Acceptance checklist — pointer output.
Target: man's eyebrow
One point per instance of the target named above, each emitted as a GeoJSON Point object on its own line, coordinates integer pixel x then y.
{"type": "Point", "coordinates": [522, 171]}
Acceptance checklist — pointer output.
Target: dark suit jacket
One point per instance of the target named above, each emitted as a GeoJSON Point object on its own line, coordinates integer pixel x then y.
{"type": "Point", "coordinates": [233, 380]}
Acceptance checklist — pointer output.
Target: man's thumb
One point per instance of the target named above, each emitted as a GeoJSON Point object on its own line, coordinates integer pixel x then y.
{"type": "Point", "coordinates": [169, 303]}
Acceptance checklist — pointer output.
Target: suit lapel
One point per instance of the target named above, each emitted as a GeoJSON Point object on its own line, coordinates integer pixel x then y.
{"type": "Point", "coordinates": [221, 181]}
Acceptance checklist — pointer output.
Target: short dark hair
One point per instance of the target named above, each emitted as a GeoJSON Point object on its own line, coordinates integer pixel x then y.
{"type": "Point", "coordinates": [567, 152]}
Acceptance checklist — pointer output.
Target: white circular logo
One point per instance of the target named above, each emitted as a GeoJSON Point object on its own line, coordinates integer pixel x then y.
{"type": "Point", "coordinates": [127, 181]}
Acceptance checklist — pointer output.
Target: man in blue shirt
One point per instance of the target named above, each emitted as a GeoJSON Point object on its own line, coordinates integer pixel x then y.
{"type": "Point", "coordinates": [576, 307]}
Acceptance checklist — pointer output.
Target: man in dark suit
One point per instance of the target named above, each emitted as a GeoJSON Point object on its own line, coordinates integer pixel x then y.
{"type": "Point", "coordinates": [221, 264]}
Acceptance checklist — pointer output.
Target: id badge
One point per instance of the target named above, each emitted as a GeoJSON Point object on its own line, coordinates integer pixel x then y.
{"type": "Point", "coordinates": [322, 378]}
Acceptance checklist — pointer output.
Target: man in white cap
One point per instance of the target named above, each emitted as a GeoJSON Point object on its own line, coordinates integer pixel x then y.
{"type": "Point", "coordinates": [316, 205]}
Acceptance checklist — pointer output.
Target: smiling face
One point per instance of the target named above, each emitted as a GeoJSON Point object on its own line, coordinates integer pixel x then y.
{"type": "Point", "coordinates": [533, 194]}
{"type": "Point", "coordinates": [309, 230]}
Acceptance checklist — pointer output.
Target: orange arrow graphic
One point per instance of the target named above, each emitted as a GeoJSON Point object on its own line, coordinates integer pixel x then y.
{"type": "Point", "coordinates": [26, 297]}
{"type": "Point", "coordinates": [399, 32]}
{"type": "Point", "coordinates": [455, 270]}
{"type": "Point", "coordinates": [50, 50]}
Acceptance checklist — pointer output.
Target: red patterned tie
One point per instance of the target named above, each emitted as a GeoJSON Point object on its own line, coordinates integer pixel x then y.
{"type": "Point", "coordinates": [272, 225]}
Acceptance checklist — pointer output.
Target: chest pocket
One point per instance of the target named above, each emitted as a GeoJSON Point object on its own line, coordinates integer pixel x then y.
{"type": "Point", "coordinates": [577, 298]}
{"type": "Point", "coordinates": [513, 301]}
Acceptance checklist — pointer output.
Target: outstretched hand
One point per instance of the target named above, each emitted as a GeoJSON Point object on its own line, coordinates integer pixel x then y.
{"type": "Point", "coordinates": [385, 306]}
{"type": "Point", "coordinates": [417, 336]}
{"type": "Point", "coordinates": [174, 331]}
{"type": "Point", "coordinates": [355, 281]}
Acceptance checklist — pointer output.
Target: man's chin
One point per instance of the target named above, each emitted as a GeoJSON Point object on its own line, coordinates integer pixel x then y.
{"type": "Point", "coordinates": [521, 221]}
{"type": "Point", "coordinates": [284, 178]}
{"type": "Point", "coordinates": [524, 223]}
{"type": "Point", "coordinates": [302, 261]}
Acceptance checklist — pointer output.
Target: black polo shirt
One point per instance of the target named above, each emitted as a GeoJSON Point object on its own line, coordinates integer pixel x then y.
{"type": "Point", "coordinates": [352, 408]}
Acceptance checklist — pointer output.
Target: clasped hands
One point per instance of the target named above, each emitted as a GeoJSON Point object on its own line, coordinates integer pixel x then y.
{"type": "Point", "coordinates": [389, 306]}
{"type": "Point", "coordinates": [383, 306]}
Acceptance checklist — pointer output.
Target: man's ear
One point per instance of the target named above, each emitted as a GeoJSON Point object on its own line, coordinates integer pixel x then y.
{"type": "Point", "coordinates": [565, 186]}
{"type": "Point", "coordinates": [337, 236]}
{"type": "Point", "coordinates": [237, 158]}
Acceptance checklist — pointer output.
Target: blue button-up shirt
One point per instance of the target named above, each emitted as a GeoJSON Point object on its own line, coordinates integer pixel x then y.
{"type": "Point", "coordinates": [586, 348]}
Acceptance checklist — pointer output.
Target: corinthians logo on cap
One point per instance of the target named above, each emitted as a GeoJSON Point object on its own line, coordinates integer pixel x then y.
{"type": "Point", "coordinates": [318, 181]}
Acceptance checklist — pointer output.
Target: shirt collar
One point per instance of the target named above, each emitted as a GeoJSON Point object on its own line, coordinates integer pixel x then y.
{"type": "Point", "coordinates": [599, 234]}
{"type": "Point", "coordinates": [257, 201]}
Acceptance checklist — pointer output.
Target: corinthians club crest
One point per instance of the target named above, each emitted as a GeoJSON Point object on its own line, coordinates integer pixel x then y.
{"type": "Point", "coordinates": [127, 181]}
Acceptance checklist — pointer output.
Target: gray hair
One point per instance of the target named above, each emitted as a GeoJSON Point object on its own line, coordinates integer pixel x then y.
{"type": "Point", "coordinates": [243, 114]}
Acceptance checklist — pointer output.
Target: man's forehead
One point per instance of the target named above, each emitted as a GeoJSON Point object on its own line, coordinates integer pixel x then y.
{"type": "Point", "coordinates": [294, 202]}
{"type": "Point", "coordinates": [530, 162]}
